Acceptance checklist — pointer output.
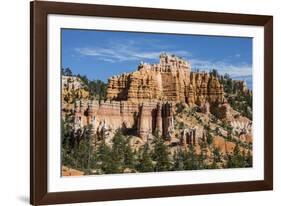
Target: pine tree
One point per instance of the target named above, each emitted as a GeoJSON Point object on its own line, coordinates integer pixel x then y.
{"type": "Point", "coordinates": [129, 156]}
{"type": "Point", "coordinates": [83, 150]}
{"type": "Point", "coordinates": [213, 165]}
{"type": "Point", "coordinates": [249, 159]}
{"type": "Point", "coordinates": [191, 162]}
{"type": "Point", "coordinates": [67, 71]}
{"type": "Point", "coordinates": [216, 155]}
{"type": "Point", "coordinates": [161, 156]}
{"type": "Point", "coordinates": [179, 159]}
{"type": "Point", "coordinates": [68, 142]}
{"type": "Point", "coordinates": [118, 151]}
{"type": "Point", "coordinates": [88, 136]}
{"type": "Point", "coordinates": [106, 163]}
{"type": "Point", "coordinates": [214, 73]}
{"type": "Point", "coordinates": [202, 157]}
{"type": "Point", "coordinates": [94, 164]}
{"type": "Point", "coordinates": [209, 138]}
{"type": "Point", "coordinates": [145, 161]}
{"type": "Point", "coordinates": [236, 160]}
{"type": "Point", "coordinates": [216, 158]}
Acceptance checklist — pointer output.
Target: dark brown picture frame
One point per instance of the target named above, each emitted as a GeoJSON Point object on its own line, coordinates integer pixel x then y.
{"type": "Point", "coordinates": [38, 102]}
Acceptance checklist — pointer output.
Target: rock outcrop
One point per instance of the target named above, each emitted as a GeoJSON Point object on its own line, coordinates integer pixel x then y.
{"type": "Point", "coordinates": [224, 146]}
{"type": "Point", "coordinates": [241, 85]}
{"type": "Point", "coordinates": [170, 80]}
{"type": "Point", "coordinates": [139, 119]}
{"type": "Point", "coordinates": [142, 103]}
{"type": "Point", "coordinates": [66, 171]}
{"type": "Point", "coordinates": [189, 137]}
{"type": "Point", "coordinates": [72, 88]}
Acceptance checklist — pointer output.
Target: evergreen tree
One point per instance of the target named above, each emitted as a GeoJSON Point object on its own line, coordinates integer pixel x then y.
{"type": "Point", "coordinates": [106, 162]}
{"type": "Point", "coordinates": [94, 164]}
{"type": "Point", "coordinates": [82, 151]}
{"type": "Point", "coordinates": [88, 138]}
{"type": "Point", "coordinates": [236, 160]}
{"type": "Point", "coordinates": [216, 155]}
{"type": "Point", "coordinates": [67, 71]}
{"type": "Point", "coordinates": [68, 141]}
{"type": "Point", "coordinates": [203, 156]}
{"type": "Point", "coordinates": [191, 162]}
{"type": "Point", "coordinates": [214, 165]}
{"type": "Point", "coordinates": [249, 159]}
{"type": "Point", "coordinates": [214, 73]}
{"type": "Point", "coordinates": [216, 159]}
{"type": "Point", "coordinates": [209, 138]}
{"type": "Point", "coordinates": [129, 156]}
{"type": "Point", "coordinates": [161, 156]}
{"type": "Point", "coordinates": [145, 163]}
{"type": "Point", "coordinates": [97, 89]}
{"type": "Point", "coordinates": [179, 160]}
{"type": "Point", "coordinates": [118, 151]}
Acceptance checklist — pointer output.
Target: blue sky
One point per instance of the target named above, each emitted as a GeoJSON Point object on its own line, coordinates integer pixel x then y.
{"type": "Point", "coordinates": [101, 54]}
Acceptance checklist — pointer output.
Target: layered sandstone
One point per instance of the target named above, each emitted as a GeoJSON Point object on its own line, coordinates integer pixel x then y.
{"type": "Point", "coordinates": [169, 80]}
{"type": "Point", "coordinates": [142, 103]}
{"type": "Point", "coordinates": [72, 88]}
{"type": "Point", "coordinates": [145, 118]}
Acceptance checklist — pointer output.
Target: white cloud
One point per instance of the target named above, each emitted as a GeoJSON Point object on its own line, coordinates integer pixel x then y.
{"type": "Point", "coordinates": [234, 70]}
{"type": "Point", "coordinates": [128, 51]}
{"type": "Point", "coordinates": [150, 49]}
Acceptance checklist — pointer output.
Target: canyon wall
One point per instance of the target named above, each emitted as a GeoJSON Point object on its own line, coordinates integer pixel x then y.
{"type": "Point", "coordinates": [170, 80]}
{"type": "Point", "coordinates": [140, 119]}
{"type": "Point", "coordinates": [141, 103]}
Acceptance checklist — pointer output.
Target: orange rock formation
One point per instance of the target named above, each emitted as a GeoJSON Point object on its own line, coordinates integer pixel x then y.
{"type": "Point", "coordinates": [170, 80]}
{"type": "Point", "coordinates": [143, 100]}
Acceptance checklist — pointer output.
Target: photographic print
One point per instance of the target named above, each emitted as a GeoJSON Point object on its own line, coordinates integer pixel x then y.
{"type": "Point", "coordinates": [135, 102]}
{"type": "Point", "coordinates": [138, 102]}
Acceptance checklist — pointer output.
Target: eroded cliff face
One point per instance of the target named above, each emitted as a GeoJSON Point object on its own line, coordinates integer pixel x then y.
{"type": "Point", "coordinates": [144, 104]}
{"type": "Point", "coordinates": [140, 120]}
{"type": "Point", "coordinates": [170, 80]}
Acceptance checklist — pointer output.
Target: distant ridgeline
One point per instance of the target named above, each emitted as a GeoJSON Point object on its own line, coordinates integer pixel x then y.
{"type": "Point", "coordinates": [166, 100]}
